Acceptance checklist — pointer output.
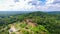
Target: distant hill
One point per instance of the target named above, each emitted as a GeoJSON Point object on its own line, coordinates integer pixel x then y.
{"type": "Point", "coordinates": [13, 12]}
{"type": "Point", "coordinates": [54, 12]}
{"type": "Point", "coordinates": [9, 13]}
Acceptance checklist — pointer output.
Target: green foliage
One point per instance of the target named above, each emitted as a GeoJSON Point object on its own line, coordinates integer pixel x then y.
{"type": "Point", "coordinates": [23, 25]}
{"type": "Point", "coordinates": [13, 33]}
{"type": "Point", "coordinates": [25, 32]}
{"type": "Point", "coordinates": [46, 23]}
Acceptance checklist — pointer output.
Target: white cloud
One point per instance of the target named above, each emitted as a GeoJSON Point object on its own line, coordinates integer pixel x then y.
{"type": "Point", "coordinates": [11, 5]}
{"type": "Point", "coordinates": [24, 5]}
{"type": "Point", "coordinates": [52, 5]}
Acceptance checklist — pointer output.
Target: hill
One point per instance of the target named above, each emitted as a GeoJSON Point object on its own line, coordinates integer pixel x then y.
{"type": "Point", "coordinates": [54, 12]}
{"type": "Point", "coordinates": [9, 13]}
{"type": "Point", "coordinates": [30, 23]}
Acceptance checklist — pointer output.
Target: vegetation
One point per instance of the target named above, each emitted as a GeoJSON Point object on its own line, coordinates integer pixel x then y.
{"type": "Point", "coordinates": [31, 23]}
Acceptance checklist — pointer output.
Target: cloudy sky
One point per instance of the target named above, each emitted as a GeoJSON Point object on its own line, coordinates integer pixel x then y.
{"type": "Point", "coordinates": [29, 5]}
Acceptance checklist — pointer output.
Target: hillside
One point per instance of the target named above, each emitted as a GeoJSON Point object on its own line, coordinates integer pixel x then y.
{"type": "Point", "coordinates": [9, 13]}
{"type": "Point", "coordinates": [54, 12]}
{"type": "Point", "coordinates": [30, 23]}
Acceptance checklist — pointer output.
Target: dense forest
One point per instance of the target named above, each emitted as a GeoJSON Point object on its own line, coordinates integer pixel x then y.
{"type": "Point", "coordinates": [30, 23]}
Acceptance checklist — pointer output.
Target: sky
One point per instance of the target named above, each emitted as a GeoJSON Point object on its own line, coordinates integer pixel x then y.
{"type": "Point", "coordinates": [29, 5]}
